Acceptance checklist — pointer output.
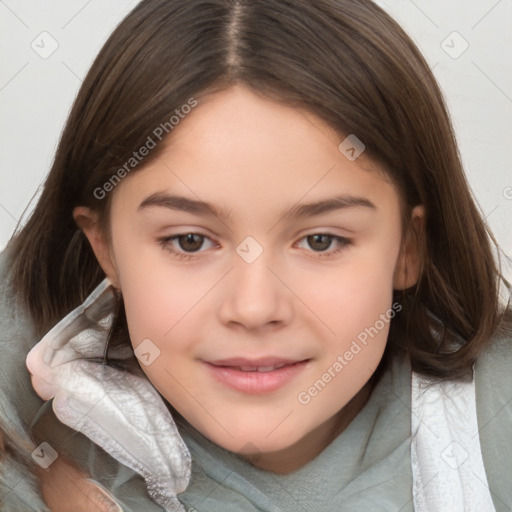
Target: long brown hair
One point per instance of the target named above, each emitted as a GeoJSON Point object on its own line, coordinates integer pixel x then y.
{"type": "Point", "coordinates": [347, 62]}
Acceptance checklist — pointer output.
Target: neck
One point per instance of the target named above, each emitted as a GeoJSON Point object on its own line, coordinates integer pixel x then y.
{"type": "Point", "coordinates": [300, 453]}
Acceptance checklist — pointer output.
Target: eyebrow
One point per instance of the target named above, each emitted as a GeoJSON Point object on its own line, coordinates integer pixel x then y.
{"type": "Point", "coordinates": [173, 202]}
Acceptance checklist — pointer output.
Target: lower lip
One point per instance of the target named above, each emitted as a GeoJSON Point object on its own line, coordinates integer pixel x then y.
{"type": "Point", "coordinates": [256, 382]}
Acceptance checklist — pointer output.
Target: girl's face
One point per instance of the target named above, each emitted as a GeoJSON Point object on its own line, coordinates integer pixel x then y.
{"type": "Point", "coordinates": [273, 313]}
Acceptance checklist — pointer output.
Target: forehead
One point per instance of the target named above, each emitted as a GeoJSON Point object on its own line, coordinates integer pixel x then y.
{"type": "Point", "coordinates": [247, 153]}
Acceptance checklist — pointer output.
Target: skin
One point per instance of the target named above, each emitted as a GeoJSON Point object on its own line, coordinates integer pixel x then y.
{"type": "Point", "coordinates": [63, 484]}
{"type": "Point", "coordinates": [255, 158]}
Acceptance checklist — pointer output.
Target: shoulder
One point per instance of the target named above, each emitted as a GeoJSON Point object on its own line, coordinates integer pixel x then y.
{"type": "Point", "coordinates": [493, 375]}
{"type": "Point", "coordinates": [493, 390]}
{"type": "Point", "coordinates": [17, 337]}
{"type": "Point", "coordinates": [18, 401]}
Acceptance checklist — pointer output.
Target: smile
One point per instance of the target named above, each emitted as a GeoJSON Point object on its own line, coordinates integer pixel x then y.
{"type": "Point", "coordinates": [256, 377]}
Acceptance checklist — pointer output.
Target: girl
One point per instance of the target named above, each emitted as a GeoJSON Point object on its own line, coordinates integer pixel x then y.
{"type": "Point", "coordinates": [256, 279]}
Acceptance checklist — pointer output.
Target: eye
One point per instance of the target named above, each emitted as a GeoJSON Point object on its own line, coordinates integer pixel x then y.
{"type": "Point", "coordinates": [321, 242]}
{"type": "Point", "coordinates": [184, 245]}
{"type": "Point", "coordinates": [189, 243]}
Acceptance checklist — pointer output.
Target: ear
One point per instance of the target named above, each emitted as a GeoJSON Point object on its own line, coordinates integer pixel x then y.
{"type": "Point", "coordinates": [87, 220]}
{"type": "Point", "coordinates": [409, 263]}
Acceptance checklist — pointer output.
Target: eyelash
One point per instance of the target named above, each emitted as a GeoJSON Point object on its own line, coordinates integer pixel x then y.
{"type": "Point", "coordinates": [165, 243]}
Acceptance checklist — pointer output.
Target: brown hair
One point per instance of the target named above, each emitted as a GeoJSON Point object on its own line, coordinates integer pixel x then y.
{"type": "Point", "coordinates": [347, 62]}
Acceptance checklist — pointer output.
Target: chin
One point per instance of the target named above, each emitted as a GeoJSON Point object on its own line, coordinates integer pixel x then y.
{"type": "Point", "coordinates": [255, 440]}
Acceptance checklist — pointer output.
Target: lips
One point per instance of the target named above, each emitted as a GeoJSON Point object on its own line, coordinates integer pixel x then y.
{"type": "Point", "coordinates": [262, 364]}
{"type": "Point", "coordinates": [255, 376]}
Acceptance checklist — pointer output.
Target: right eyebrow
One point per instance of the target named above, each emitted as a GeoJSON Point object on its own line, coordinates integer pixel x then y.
{"type": "Point", "coordinates": [184, 204]}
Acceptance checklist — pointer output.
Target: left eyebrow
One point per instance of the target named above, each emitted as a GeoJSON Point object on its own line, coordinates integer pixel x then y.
{"type": "Point", "coordinates": [327, 205]}
{"type": "Point", "coordinates": [173, 202]}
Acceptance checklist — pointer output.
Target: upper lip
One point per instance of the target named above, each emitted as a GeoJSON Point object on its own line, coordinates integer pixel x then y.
{"type": "Point", "coordinates": [255, 363]}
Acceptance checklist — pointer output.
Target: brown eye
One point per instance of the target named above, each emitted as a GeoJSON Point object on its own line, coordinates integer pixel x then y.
{"type": "Point", "coordinates": [190, 242]}
{"type": "Point", "coordinates": [319, 242]}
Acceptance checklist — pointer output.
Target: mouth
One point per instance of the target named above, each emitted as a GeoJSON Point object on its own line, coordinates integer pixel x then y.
{"type": "Point", "coordinates": [256, 376]}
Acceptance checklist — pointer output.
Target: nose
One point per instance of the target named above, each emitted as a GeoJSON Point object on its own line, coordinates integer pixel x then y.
{"type": "Point", "coordinates": [255, 297]}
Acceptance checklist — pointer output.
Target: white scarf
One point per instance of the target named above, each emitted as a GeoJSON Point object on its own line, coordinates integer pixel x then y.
{"type": "Point", "coordinates": [447, 466]}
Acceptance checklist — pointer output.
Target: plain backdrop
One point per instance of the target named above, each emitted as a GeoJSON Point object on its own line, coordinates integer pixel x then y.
{"type": "Point", "coordinates": [466, 42]}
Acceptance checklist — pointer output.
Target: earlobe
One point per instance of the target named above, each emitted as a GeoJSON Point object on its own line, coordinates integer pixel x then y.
{"type": "Point", "coordinates": [409, 265]}
{"type": "Point", "coordinates": [87, 221]}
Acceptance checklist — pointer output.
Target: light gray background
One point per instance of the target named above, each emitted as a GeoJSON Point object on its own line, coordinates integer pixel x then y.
{"type": "Point", "coordinates": [36, 93]}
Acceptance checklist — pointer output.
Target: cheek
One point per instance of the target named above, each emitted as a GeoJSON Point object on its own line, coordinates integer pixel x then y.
{"type": "Point", "coordinates": [156, 294]}
{"type": "Point", "coordinates": [359, 312]}
{"type": "Point", "coordinates": [355, 294]}
{"type": "Point", "coordinates": [161, 308]}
